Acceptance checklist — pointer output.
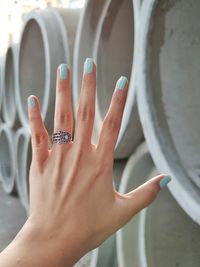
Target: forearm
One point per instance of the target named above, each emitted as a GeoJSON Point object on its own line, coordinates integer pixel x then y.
{"type": "Point", "coordinates": [31, 248]}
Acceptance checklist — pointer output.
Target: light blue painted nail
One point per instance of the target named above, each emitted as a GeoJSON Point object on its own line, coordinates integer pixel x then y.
{"type": "Point", "coordinates": [164, 181]}
{"type": "Point", "coordinates": [121, 83]}
{"type": "Point", "coordinates": [63, 71]}
{"type": "Point", "coordinates": [31, 102]}
{"type": "Point", "coordinates": [88, 65]}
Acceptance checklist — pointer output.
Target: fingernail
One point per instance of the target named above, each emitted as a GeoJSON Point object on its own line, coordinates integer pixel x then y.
{"type": "Point", "coordinates": [63, 71]}
{"type": "Point", "coordinates": [121, 83]}
{"type": "Point", "coordinates": [31, 102]}
{"type": "Point", "coordinates": [164, 181]}
{"type": "Point", "coordinates": [88, 65]}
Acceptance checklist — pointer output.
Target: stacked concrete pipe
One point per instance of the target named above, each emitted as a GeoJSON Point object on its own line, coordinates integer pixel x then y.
{"type": "Point", "coordinates": [7, 159]}
{"type": "Point", "coordinates": [160, 235]}
{"type": "Point", "coordinates": [9, 73]}
{"type": "Point", "coordinates": [47, 40]}
{"type": "Point", "coordinates": [168, 94]}
{"type": "Point", "coordinates": [1, 59]}
{"type": "Point", "coordinates": [104, 28]}
{"type": "Point", "coordinates": [105, 255]}
{"type": "Point", "coordinates": [23, 157]}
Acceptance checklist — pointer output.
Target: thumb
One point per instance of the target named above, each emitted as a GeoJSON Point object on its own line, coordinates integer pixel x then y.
{"type": "Point", "coordinates": [134, 201]}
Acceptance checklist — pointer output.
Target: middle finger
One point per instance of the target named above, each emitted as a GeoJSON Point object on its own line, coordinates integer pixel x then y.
{"type": "Point", "coordinates": [63, 116]}
{"type": "Point", "coordinates": [86, 107]}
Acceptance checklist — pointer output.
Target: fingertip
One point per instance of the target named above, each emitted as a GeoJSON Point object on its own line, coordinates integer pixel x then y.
{"type": "Point", "coordinates": [164, 181]}
{"type": "Point", "coordinates": [89, 66]}
{"type": "Point", "coordinates": [122, 83]}
{"type": "Point", "coordinates": [158, 182]}
{"type": "Point", "coordinates": [89, 75]}
{"type": "Point", "coordinates": [31, 101]}
{"type": "Point", "coordinates": [63, 71]}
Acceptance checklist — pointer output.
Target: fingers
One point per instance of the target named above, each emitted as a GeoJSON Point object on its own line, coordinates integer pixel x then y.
{"type": "Point", "coordinates": [141, 197]}
{"type": "Point", "coordinates": [112, 121]}
{"type": "Point", "coordinates": [39, 134]}
{"type": "Point", "coordinates": [63, 116]}
{"type": "Point", "coordinates": [86, 107]}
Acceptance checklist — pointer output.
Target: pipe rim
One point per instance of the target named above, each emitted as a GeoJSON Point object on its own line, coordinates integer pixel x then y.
{"type": "Point", "coordinates": [1, 83]}
{"type": "Point", "coordinates": [105, 254]}
{"type": "Point", "coordinates": [21, 170]}
{"type": "Point", "coordinates": [183, 190]}
{"type": "Point", "coordinates": [39, 20]}
{"type": "Point", "coordinates": [10, 61]}
{"type": "Point", "coordinates": [8, 184]}
{"type": "Point", "coordinates": [64, 31]}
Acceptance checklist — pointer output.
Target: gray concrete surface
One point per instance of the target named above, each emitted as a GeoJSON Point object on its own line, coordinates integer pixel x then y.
{"type": "Point", "coordinates": [12, 217]}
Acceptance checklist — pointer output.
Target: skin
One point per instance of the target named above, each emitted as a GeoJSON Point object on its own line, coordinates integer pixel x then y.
{"type": "Point", "coordinates": [73, 204]}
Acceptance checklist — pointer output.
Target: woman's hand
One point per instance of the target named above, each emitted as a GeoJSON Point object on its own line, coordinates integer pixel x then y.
{"type": "Point", "coordinates": [73, 204]}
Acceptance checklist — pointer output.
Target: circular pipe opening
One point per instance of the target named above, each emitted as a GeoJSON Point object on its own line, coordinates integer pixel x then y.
{"type": "Point", "coordinates": [32, 66]}
{"type": "Point", "coordinates": [24, 158]}
{"type": "Point", "coordinates": [1, 89]}
{"type": "Point", "coordinates": [9, 106]}
{"type": "Point", "coordinates": [115, 53]}
{"type": "Point", "coordinates": [6, 161]}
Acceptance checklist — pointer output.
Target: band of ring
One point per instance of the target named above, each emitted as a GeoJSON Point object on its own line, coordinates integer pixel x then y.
{"type": "Point", "coordinates": [61, 137]}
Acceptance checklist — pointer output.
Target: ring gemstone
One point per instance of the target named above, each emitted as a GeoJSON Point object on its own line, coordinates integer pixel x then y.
{"type": "Point", "coordinates": [61, 137]}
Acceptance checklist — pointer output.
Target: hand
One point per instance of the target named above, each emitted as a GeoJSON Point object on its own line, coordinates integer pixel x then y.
{"type": "Point", "coordinates": [73, 204]}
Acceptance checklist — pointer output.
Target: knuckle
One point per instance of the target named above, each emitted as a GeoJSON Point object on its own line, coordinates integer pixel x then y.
{"type": "Point", "coordinates": [33, 118]}
{"type": "Point", "coordinates": [99, 170]}
{"type": "Point", "coordinates": [119, 97]}
{"type": "Point", "coordinates": [78, 154]}
{"type": "Point", "coordinates": [104, 163]}
{"type": "Point", "coordinates": [39, 138]}
{"type": "Point", "coordinates": [111, 123]}
{"type": "Point", "coordinates": [85, 113]}
{"type": "Point", "coordinates": [63, 117]}
{"type": "Point", "coordinates": [151, 192]}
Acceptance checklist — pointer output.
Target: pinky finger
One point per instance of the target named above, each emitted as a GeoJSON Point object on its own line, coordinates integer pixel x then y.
{"type": "Point", "coordinates": [39, 134]}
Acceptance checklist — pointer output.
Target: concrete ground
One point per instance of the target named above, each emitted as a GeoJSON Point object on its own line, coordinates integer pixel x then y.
{"type": "Point", "coordinates": [12, 218]}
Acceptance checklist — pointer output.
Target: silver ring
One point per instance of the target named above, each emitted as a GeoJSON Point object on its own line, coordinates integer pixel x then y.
{"type": "Point", "coordinates": [61, 137]}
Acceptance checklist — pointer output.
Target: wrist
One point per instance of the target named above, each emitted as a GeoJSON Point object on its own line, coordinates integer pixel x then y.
{"type": "Point", "coordinates": [37, 246]}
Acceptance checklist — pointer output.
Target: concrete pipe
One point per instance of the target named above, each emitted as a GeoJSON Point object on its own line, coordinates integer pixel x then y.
{"type": "Point", "coordinates": [24, 158]}
{"type": "Point", "coordinates": [7, 159]}
{"type": "Point", "coordinates": [103, 27]}
{"type": "Point", "coordinates": [105, 254]}
{"type": "Point", "coordinates": [1, 62]}
{"type": "Point", "coordinates": [9, 73]}
{"type": "Point", "coordinates": [168, 94]}
{"type": "Point", "coordinates": [46, 41]}
{"type": "Point", "coordinates": [0, 126]}
{"type": "Point", "coordinates": [160, 235]}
